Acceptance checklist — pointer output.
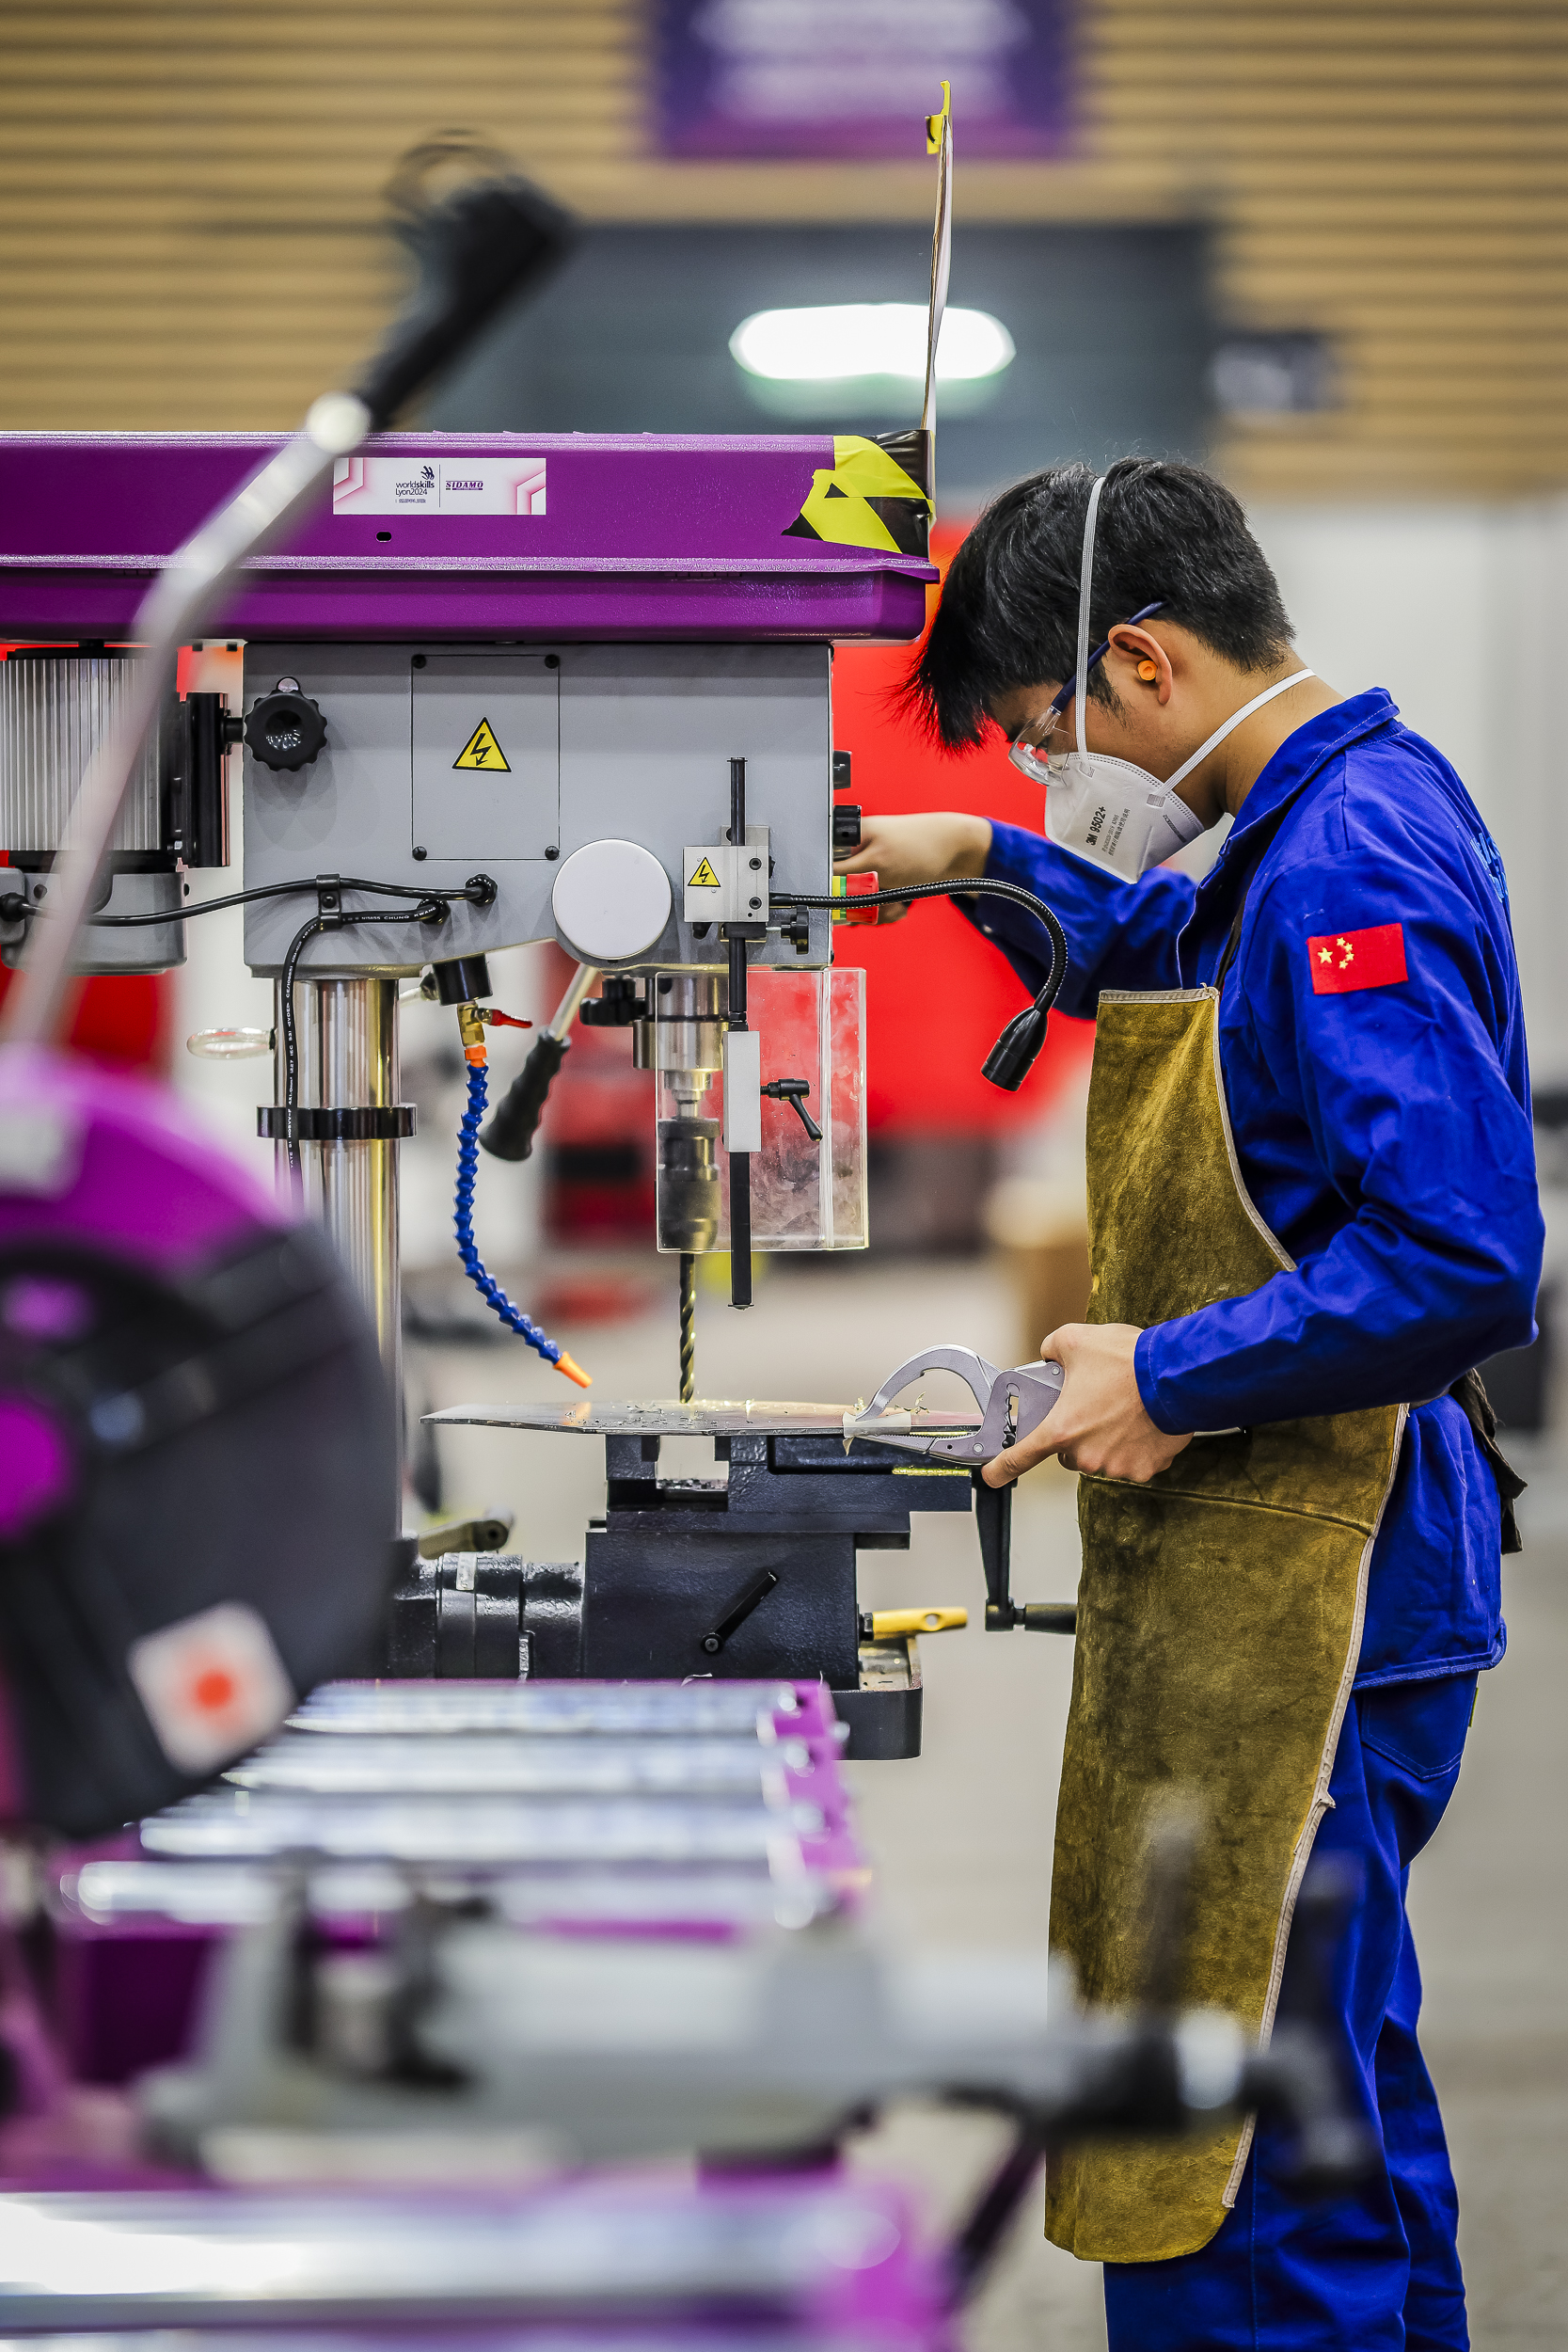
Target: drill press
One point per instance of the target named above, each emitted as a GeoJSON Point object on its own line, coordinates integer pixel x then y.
{"type": "Point", "coordinates": [508, 688]}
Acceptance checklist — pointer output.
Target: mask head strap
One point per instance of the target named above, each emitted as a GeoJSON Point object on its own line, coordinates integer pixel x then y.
{"type": "Point", "coordinates": [1234, 720]}
{"type": "Point", "coordinates": [1086, 586]}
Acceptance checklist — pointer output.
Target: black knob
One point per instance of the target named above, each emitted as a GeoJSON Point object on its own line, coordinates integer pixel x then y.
{"type": "Point", "coordinates": [285, 731]}
{"type": "Point", "coordinates": [841, 772]}
{"type": "Point", "coordinates": [847, 828]}
{"type": "Point", "coordinates": [616, 1007]}
{"type": "Point", "coordinates": [461, 980]}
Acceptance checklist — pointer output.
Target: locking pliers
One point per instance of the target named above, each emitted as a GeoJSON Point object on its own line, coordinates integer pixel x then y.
{"type": "Point", "coordinates": [1012, 1405]}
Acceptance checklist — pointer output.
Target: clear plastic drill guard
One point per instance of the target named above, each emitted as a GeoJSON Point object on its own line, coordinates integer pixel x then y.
{"type": "Point", "coordinates": [804, 1195]}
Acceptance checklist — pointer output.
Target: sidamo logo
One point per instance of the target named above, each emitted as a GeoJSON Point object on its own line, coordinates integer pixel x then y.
{"type": "Point", "coordinates": [465, 485]}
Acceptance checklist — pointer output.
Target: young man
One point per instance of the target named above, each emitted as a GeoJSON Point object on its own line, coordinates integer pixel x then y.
{"type": "Point", "coordinates": [1313, 1211]}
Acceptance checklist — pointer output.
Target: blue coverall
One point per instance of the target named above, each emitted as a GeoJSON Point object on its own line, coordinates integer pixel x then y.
{"type": "Point", "coordinates": [1383, 1133]}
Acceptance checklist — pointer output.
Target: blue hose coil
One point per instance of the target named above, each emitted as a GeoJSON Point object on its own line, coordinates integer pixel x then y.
{"type": "Point", "coordinates": [463, 1222]}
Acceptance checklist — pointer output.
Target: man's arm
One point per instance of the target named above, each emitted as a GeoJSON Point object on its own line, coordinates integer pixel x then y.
{"type": "Point", "coordinates": [1413, 1091]}
{"type": "Point", "coordinates": [1120, 935]}
{"type": "Point", "coordinates": [1413, 1116]}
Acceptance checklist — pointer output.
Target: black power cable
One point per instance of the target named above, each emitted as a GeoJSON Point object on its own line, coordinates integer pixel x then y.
{"type": "Point", "coordinates": [433, 907]}
{"type": "Point", "coordinates": [291, 1040]}
{"type": "Point", "coordinates": [981, 886]}
{"type": "Point", "coordinates": [1012, 1057]}
{"type": "Point", "coordinates": [292, 889]}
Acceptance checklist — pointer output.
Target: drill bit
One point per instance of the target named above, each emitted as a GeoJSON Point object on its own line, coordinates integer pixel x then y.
{"type": "Point", "coordinates": [688, 1326]}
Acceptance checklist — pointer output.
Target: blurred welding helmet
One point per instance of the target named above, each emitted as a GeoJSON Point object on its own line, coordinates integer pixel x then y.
{"type": "Point", "coordinates": [196, 1454]}
{"type": "Point", "coordinates": [1111, 812]}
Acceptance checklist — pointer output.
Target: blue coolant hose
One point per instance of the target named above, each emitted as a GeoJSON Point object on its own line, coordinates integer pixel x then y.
{"type": "Point", "coordinates": [467, 1249]}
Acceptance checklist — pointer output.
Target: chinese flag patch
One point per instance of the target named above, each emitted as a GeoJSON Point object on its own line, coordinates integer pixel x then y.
{"type": "Point", "coordinates": [1343, 961]}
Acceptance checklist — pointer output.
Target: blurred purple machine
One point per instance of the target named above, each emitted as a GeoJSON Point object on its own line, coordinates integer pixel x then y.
{"type": "Point", "coordinates": [590, 1810]}
{"type": "Point", "coordinates": [462, 1935]}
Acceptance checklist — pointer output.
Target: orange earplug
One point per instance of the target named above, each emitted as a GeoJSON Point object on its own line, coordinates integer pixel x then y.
{"type": "Point", "coordinates": [1148, 670]}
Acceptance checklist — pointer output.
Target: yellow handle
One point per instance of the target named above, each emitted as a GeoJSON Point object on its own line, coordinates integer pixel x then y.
{"type": "Point", "coordinates": [888, 1624]}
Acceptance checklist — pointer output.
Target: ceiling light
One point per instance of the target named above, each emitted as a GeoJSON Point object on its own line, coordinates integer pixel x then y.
{"type": "Point", "coordinates": [846, 340]}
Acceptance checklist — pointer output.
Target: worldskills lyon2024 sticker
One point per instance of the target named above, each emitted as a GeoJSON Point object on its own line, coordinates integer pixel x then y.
{"type": "Point", "coordinates": [417, 486]}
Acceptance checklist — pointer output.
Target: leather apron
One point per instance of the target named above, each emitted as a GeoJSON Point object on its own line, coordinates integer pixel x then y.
{"type": "Point", "coordinates": [1219, 1622]}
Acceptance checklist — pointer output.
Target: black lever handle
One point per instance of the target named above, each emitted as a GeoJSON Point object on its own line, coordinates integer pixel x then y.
{"type": "Point", "coordinates": [993, 1519]}
{"type": "Point", "coordinates": [794, 1090]}
{"type": "Point", "coordinates": [510, 1135]}
{"type": "Point", "coordinates": [736, 1616]}
{"type": "Point", "coordinates": [1048, 1617]}
{"type": "Point", "coordinates": [475, 249]}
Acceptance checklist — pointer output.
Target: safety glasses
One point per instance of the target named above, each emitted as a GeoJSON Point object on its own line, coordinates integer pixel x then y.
{"type": "Point", "coordinates": [1030, 749]}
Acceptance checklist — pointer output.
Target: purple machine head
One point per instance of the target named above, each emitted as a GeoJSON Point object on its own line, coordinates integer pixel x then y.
{"type": "Point", "coordinates": [473, 537]}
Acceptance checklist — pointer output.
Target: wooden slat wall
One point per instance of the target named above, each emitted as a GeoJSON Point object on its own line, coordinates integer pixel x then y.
{"type": "Point", "coordinates": [1394, 172]}
{"type": "Point", "coordinates": [191, 199]}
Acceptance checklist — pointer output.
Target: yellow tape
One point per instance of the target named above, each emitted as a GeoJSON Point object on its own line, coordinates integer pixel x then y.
{"type": "Point", "coordinates": [934, 123]}
{"type": "Point", "coordinates": [838, 509]}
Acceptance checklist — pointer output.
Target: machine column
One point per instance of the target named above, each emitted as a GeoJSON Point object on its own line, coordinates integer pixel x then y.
{"type": "Point", "coordinates": [348, 1061]}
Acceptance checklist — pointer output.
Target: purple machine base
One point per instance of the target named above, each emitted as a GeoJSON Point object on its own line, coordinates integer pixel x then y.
{"type": "Point", "coordinates": [626, 537]}
{"type": "Point", "coordinates": [617, 2261]}
{"type": "Point", "coordinates": [742, 2258]}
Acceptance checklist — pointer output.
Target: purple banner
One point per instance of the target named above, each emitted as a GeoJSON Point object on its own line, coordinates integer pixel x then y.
{"type": "Point", "coordinates": [852, 78]}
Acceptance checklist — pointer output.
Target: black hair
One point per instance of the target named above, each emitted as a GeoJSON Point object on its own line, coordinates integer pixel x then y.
{"type": "Point", "coordinates": [1008, 615]}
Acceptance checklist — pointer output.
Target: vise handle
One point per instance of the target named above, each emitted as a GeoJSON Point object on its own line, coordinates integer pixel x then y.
{"type": "Point", "coordinates": [993, 1516]}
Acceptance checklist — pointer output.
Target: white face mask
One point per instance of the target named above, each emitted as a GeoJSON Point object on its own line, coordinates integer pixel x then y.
{"type": "Point", "coordinates": [1109, 811]}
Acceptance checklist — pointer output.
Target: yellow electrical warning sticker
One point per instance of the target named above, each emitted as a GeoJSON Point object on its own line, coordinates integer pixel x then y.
{"type": "Point", "coordinates": [482, 751]}
{"type": "Point", "coordinates": [704, 879]}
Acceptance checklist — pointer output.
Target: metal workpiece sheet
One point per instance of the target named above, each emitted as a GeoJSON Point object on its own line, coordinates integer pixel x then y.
{"type": "Point", "coordinates": [706, 1417]}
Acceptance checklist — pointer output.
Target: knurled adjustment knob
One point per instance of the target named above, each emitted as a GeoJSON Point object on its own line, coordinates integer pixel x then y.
{"type": "Point", "coordinates": [847, 828]}
{"type": "Point", "coordinates": [285, 730]}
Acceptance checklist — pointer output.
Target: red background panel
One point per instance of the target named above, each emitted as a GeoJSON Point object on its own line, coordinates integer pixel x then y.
{"type": "Point", "coordinates": [937, 994]}
{"type": "Point", "coordinates": [128, 1021]}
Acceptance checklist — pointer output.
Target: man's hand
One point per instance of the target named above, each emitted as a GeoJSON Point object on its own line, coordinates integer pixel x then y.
{"type": "Point", "coordinates": [1098, 1422]}
{"type": "Point", "coordinates": [942, 845]}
